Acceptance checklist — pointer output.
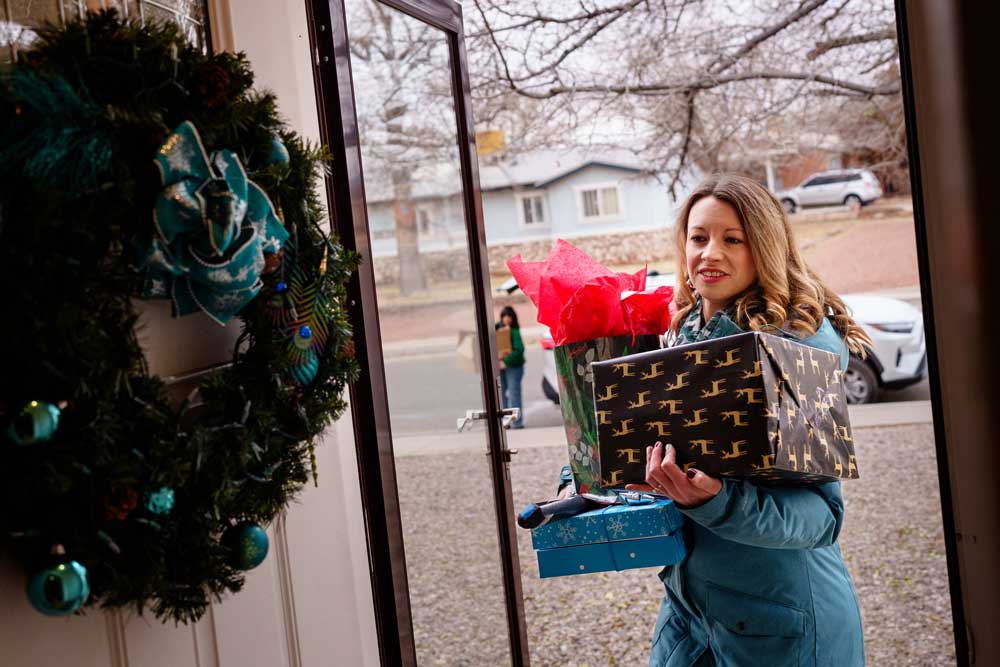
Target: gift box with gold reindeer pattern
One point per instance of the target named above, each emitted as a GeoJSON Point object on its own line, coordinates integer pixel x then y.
{"type": "Point", "coordinates": [753, 405]}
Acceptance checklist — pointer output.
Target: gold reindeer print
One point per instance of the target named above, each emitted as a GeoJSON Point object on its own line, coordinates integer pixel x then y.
{"type": "Point", "coordinates": [800, 363]}
{"type": "Point", "coordinates": [736, 451]}
{"type": "Point", "coordinates": [632, 454]}
{"type": "Point", "coordinates": [730, 360]}
{"type": "Point", "coordinates": [790, 411]}
{"type": "Point", "coordinates": [603, 417]}
{"type": "Point", "coordinates": [831, 399]}
{"type": "Point", "coordinates": [610, 393]}
{"type": "Point", "coordinates": [814, 363]}
{"type": "Point", "coordinates": [642, 399]}
{"type": "Point", "coordinates": [704, 445]}
{"type": "Point", "coordinates": [766, 462]}
{"type": "Point", "coordinates": [784, 373]}
{"type": "Point", "coordinates": [751, 394]}
{"type": "Point", "coordinates": [715, 390]}
{"type": "Point", "coordinates": [625, 429]}
{"type": "Point", "coordinates": [616, 478]}
{"type": "Point", "coordinates": [852, 466]}
{"type": "Point", "coordinates": [655, 371]}
{"type": "Point", "coordinates": [844, 435]}
{"type": "Point", "coordinates": [806, 458]}
{"type": "Point", "coordinates": [775, 437]}
{"type": "Point", "coordinates": [698, 419]}
{"type": "Point", "coordinates": [660, 426]}
{"type": "Point", "coordinates": [772, 412]}
{"type": "Point", "coordinates": [821, 407]}
{"type": "Point", "coordinates": [824, 444]}
{"type": "Point", "coordinates": [626, 368]}
{"type": "Point", "coordinates": [736, 416]}
{"type": "Point", "coordinates": [755, 373]}
{"type": "Point", "coordinates": [798, 391]}
{"type": "Point", "coordinates": [681, 382]}
{"type": "Point", "coordinates": [835, 377]}
{"type": "Point", "coordinates": [674, 404]}
{"type": "Point", "coordinates": [838, 468]}
{"type": "Point", "coordinates": [793, 461]}
{"type": "Point", "coordinates": [698, 356]}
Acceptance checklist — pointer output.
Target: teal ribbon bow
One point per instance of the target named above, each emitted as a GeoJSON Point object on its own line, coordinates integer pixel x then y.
{"type": "Point", "coordinates": [213, 227]}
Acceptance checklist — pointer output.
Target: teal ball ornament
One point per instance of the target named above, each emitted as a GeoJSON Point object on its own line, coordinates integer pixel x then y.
{"type": "Point", "coordinates": [161, 502]}
{"type": "Point", "coordinates": [278, 154]}
{"type": "Point", "coordinates": [304, 369]}
{"type": "Point", "coordinates": [59, 590]}
{"type": "Point", "coordinates": [248, 543]}
{"type": "Point", "coordinates": [35, 422]}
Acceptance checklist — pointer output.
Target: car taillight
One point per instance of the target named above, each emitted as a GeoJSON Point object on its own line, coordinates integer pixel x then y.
{"type": "Point", "coordinates": [547, 343]}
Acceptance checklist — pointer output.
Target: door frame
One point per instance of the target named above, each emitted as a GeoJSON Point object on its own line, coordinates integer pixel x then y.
{"type": "Point", "coordinates": [369, 397]}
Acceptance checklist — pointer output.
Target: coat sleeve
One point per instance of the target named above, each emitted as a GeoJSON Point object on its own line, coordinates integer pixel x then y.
{"type": "Point", "coordinates": [773, 517]}
{"type": "Point", "coordinates": [516, 357]}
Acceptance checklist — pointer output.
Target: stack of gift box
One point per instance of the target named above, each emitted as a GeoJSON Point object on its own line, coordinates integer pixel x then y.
{"type": "Point", "coordinates": [755, 406]}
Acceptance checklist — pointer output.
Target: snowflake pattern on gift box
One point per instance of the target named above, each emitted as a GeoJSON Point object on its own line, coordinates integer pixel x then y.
{"type": "Point", "coordinates": [616, 528]}
{"type": "Point", "coordinates": [567, 532]}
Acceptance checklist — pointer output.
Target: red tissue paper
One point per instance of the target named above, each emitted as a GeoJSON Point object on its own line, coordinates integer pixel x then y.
{"type": "Point", "coordinates": [579, 299]}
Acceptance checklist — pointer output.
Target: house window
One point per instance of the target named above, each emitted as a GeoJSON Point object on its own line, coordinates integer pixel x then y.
{"type": "Point", "coordinates": [531, 210]}
{"type": "Point", "coordinates": [597, 203]}
{"type": "Point", "coordinates": [18, 20]}
{"type": "Point", "coordinates": [424, 220]}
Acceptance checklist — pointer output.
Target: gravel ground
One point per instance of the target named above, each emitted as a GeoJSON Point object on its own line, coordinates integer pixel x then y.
{"type": "Point", "coordinates": [892, 541]}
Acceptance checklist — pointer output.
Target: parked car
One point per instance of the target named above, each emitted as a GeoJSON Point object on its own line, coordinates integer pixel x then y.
{"type": "Point", "coordinates": [897, 358]}
{"type": "Point", "coordinates": [851, 187]}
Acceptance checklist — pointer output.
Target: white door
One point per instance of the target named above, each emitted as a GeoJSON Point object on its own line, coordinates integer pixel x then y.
{"type": "Point", "coordinates": [309, 603]}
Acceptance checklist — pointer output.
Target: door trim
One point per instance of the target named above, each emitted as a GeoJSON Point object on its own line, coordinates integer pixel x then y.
{"type": "Point", "coordinates": [369, 402]}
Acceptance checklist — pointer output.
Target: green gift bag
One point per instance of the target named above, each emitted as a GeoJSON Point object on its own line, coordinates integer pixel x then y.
{"type": "Point", "coordinates": [576, 398]}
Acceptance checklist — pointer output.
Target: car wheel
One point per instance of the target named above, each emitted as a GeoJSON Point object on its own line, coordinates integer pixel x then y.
{"type": "Point", "coordinates": [860, 382]}
{"type": "Point", "coordinates": [853, 202]}
{"type": "Point", "coordinates": [788, 205]}
{"type": "Point", "coordinates": [550, 392]}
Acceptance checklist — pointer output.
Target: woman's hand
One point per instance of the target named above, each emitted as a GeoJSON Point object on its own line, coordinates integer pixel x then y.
{"type": "Point", "coordinates": [502, 365]}
{"type": "Point", "coordinates": [665, 478]}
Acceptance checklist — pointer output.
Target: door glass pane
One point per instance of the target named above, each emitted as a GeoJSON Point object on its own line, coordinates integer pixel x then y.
{"type": "Point", "coordinates": [408, 135]}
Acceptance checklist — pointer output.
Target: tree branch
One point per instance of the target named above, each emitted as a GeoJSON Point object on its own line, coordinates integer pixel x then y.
{"type": "Point", "coordinates": [850, 40]}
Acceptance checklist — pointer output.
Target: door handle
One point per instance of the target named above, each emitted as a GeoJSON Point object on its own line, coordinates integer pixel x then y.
{"type": "Point", "coordinates": [470, 416]}
{"type": "Point", "coordinates": [510, 415]}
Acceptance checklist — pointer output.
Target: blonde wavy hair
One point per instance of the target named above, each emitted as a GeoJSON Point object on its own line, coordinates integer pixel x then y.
{"type": "Point", "coordinates": [786, 294]}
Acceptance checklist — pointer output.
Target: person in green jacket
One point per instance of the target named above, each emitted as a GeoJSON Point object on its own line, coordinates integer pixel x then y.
{"type": "Point", "coordinates": [512, 366]}
{"type": "Point", "coordinates": [764, 582]}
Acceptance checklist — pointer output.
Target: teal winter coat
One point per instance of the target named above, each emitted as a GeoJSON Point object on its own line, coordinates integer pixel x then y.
{"type": "Point", "coordinates": [764, 582]}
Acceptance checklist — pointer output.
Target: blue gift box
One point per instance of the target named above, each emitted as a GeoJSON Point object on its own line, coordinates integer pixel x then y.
{"type": "Point", "coordinates": [618, 537]}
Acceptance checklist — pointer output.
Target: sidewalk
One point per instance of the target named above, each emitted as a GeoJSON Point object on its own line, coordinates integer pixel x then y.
{"type": "Point", "coordinates": [425, 444]}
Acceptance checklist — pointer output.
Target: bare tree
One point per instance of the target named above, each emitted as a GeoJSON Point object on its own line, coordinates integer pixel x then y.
{"type": "Point", "coordinates": [682, 81]}
{"type": "Point", "coordinates": [405, 115]}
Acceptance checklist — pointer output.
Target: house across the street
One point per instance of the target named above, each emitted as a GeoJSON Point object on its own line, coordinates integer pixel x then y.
{"type": "Point", "coordinates": [533, 196]}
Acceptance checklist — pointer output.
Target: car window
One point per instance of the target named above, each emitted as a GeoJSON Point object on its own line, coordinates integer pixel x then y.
{"type": "Point", "coordinates": [816, 180]}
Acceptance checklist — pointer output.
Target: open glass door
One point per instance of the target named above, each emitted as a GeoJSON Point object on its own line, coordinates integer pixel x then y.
{"type": "Point", "coordinates": [431, 444]}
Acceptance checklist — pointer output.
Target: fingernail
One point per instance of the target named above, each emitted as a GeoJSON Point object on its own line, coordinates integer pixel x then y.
{"type": "Point", "coordinates": [691, 473]}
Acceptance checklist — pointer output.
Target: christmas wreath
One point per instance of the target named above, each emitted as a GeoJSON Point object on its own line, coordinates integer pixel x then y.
{"type": "Point", "coordinates": [136, 167]}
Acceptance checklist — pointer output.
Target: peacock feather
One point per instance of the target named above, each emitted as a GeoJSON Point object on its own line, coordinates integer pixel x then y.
{"type": "Point", "coordinates": [309, 329]}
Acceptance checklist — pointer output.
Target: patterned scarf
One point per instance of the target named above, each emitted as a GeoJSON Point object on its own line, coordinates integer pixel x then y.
{"type": "Point", "coordinates": [694, 330]}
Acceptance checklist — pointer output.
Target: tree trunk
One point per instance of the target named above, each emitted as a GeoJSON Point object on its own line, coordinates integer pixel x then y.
{"type": "Point", "coordinates": [411, 272]}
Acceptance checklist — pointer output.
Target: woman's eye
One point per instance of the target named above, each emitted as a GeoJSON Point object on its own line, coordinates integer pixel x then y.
{"type": "Point", "coordinates": [697, 238]}
{"type": "Point", "coordinates": [733, 240]}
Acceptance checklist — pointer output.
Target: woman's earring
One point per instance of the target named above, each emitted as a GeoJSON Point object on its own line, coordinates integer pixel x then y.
{"type": "Point", "coordinates": [690, 285]}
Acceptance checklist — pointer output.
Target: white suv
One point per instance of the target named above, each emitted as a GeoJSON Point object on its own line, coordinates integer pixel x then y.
{"type": "Point", "coordinates": [850, 187]}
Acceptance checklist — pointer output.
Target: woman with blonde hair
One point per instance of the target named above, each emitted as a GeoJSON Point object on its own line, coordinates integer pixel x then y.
{"type": "Point", "coordinates": [764, 582]}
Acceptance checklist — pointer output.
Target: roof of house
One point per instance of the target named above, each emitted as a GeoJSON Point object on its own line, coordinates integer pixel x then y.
{"type": "Point", "coordinates": [540, 169]}
{"type": "Point", "coordinates": [537, 169]}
